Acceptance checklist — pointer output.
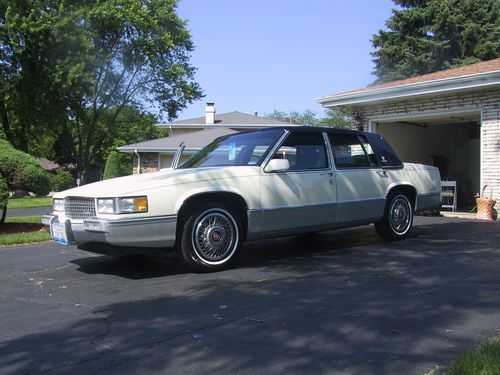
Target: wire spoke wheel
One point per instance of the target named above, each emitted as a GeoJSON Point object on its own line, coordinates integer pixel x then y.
{"type": "Point", "coordinates": [400, 215]}
{"type": "Point", "coordinates": [215, 236]}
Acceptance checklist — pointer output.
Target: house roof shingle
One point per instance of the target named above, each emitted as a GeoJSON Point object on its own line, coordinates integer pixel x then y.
{"type": "Point", "coordinates": [463, 71]}
{"type": "Point", "coordinates": [195, 140]}
{"type": "Point", "coordinates": [228, 119]}
{"type": "Point", "coordinates": [47, 164]}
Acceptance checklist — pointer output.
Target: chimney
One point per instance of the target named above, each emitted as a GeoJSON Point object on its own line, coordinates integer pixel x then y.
{"type": "Point", "coordinates": [210, 113]}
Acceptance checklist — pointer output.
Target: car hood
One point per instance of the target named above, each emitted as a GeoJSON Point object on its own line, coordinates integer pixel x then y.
{"type": "Point", "coordinates": [141, 183]}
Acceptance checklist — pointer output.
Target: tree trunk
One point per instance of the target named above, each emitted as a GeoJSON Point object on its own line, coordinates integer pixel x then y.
{"type": "Point", "coordinates": [5, 121]}
{"type": "Point", "coordinates": [4, 213]}
{"type": "Point", "coordinates": [91, 173]}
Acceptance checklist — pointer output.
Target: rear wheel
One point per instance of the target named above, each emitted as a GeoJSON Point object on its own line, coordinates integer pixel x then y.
{"type": "Point", "coordinates": [398, 218]}
{"type": "Point", "coordinates": [210, 238]}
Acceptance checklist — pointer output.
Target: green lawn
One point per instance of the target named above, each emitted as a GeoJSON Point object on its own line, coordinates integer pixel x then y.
{"type": "Point", "coordinates": [483, 360]}
{"type": "Point", "coordinates": [29, 202]}
{"type": "Point", "coordinates": [22, 230]}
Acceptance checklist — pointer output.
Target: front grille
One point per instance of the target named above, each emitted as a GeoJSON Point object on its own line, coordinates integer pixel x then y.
{"type": "Point", "coordinates": [79, 208]}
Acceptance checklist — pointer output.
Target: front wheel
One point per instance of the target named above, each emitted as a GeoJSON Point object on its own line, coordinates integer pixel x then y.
{"type": "Point", "coordinates": [210, 238]}
{"type": "Point", "coordinates": [398, 218]}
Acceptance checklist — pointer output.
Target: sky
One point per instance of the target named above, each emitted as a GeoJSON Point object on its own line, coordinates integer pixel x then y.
{"type": "Point", "coordinates": [258, 55]}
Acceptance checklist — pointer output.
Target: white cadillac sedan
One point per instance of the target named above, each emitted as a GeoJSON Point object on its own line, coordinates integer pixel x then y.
{"type": "Point", "coordinates": [247, 186]}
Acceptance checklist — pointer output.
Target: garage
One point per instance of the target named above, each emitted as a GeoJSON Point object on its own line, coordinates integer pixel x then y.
{"type": "Point", "coordinates": [449, 119]}
{"type": "Point", "coordinates": [449, 142]}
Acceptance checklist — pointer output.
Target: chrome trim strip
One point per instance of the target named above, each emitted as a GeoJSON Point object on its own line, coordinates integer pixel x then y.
{"type": "Point", "coordinates": [319, 170]}
{"type": "Point", "coordinates": [427, 194]}
{"type": "Point", "coordinates": [276, 146]}
{"type": "Point", "coordinates": [315, 204]}
{"type": "Point", "coordinates": [296, 206]}
{"type": "Point", "coordinates": [329, 152]}
{"type": "Point", "coordinates": [363, 200]}
{"type": "Point", "coordinates": [141, 220]}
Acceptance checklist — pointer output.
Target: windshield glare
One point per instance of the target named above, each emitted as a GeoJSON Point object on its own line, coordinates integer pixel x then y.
{"type": "Point", "coordinates": [235, 150]}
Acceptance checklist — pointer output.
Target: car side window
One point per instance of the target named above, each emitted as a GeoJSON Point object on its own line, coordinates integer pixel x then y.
{"type": "Point", "coordinates": [351, 151]}
{"type": "Point", "coordinates": [304, 150]}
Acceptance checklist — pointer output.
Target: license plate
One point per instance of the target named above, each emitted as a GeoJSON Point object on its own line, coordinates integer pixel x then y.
{"type": "Point", "coordinates": [58, 232]}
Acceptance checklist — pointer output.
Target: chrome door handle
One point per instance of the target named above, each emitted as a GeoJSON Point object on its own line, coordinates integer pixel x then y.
{"type": "Point", "coordinates": [330, 175]}
{"type": "Point", "coordinates": [382, 173]}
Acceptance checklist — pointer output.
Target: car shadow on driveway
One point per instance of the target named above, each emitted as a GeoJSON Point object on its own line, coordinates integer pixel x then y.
{"type": "Point", "coordinates": [362, 306]}
{"type": "Point", "coordinates": [134, 267]}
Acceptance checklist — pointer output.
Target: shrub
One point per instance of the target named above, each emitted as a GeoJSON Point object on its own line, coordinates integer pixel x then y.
{"type": "Point", "coordinates": [61, 180]}
{"type": "Point", "coordinates": [118, 165]}
{"type": "Point", "coordinates": [22, 171]}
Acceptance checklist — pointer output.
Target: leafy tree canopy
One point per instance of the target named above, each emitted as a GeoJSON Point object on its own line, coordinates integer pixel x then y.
{"type": "Point", "coordinates": [424, 36]}
{"type": "Point", "coordinates": [71, 69]}
{"type": "Point", "coordinates": [310, 118]}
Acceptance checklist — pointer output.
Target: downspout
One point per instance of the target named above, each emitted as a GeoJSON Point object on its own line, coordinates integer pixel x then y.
{"type": "Point", "coordinates": [177, 156]}
{"type": "Point", "coordinates": [138, 161]}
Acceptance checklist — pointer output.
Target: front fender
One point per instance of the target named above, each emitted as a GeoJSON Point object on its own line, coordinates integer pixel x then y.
{"type": "Point", "coordinates": [203, 190]}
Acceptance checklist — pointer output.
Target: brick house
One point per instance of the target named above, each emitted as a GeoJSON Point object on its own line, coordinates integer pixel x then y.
{"type": "Point", "coordinates": [450, 119]}
{"type": "Point", "coordinates": [193, 134]}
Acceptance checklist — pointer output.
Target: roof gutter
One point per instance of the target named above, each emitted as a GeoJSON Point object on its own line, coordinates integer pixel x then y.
{"type": "Point", "coordinates": [173, 125]}
{"type": "Point", "coordinates": [135, 150]}
{"type": "Point", "coordinates": [414, 89]}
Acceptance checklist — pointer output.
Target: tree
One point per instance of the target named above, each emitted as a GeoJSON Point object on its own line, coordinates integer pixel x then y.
{"type": "Point", "coordinates": [94, 60]}
{"type": "Point", "coordinates": [335, 119]}
{"type": "Point", "coordinates": [20, 171]}
{"type": "Point", "coordinates": [113, 166]}
{"type": "Point", "coordinates": [309, 118]}
{"type": "Point", "coordinates": [429, 35]}
{"type": "Point", "coordinates": [132, 125]}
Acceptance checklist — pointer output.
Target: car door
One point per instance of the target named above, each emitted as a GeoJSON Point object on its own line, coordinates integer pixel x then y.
{"type": "Point", "coordinates": [361, 182]}
{"type": "Point", "coordinates": [304, 196]}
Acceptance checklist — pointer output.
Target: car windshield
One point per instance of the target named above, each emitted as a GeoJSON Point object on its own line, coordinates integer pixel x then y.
{"type": "Point", "coordinates": [235, 150]}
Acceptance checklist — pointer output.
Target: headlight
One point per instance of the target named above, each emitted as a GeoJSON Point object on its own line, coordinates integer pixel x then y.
{"type": "Point", "coordinates": [131, 205]}
{"type": "Point", "coordinates": [126, 205]}
{"type": "Point", "coordinates": [106, 206]}
{"type": "Point", "coordinates": [58, 204]}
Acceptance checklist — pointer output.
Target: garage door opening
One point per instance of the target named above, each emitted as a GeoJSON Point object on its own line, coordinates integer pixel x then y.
{"type": "Point", "coordinates": [451, 143]}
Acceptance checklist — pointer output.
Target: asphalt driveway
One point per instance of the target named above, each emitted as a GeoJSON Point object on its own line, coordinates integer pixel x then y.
{"type": "Point", "coordinates": [338, 302]}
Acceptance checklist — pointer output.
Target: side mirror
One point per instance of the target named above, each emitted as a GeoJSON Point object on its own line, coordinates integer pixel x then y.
{"type": "Point", "coordinates": [277, 165]}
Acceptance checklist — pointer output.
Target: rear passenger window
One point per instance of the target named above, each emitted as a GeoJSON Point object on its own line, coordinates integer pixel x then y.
{"type": "Point", "coordinates": [351, 151]}
{"type": "Point", "coordinates": [304, 150]}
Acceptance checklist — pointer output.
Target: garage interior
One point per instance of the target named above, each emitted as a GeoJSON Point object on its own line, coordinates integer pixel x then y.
{"type": "Point", "coordinates": [450, 142]}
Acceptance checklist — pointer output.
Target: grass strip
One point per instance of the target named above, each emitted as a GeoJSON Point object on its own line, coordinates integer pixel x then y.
{"type": "Point", "coordinates": [22, 230]}
{"type": "Point", "coordinates": [29, 202]}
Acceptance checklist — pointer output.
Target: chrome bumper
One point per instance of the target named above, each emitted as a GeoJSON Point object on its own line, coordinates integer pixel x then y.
{"type": "Point", "coordinates": [158, 231]}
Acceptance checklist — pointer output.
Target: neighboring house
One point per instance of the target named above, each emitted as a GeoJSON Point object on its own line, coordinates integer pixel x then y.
{"type": "Point", "coordinates": [193, 134]}
{"type": "Point", "coordinates": [48, 165]}
{"type": "Point", "coordinates": [450, 119]}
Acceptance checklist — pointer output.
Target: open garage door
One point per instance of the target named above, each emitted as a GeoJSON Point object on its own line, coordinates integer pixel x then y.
{"type": "Point", "coordinates": [451, 143]}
